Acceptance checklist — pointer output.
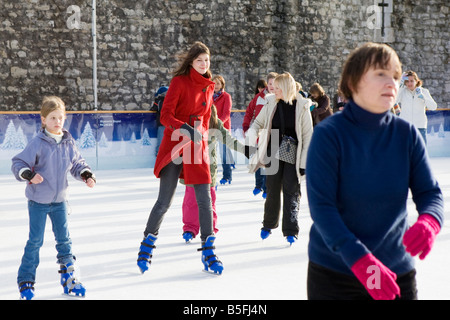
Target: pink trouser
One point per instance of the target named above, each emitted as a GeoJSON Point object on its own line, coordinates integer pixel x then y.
{"type": "Point", "coordinates": [190, 211]}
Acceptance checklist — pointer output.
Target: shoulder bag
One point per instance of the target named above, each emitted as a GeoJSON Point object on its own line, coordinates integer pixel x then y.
{"type": "Point", "coordinates": [287, 151]}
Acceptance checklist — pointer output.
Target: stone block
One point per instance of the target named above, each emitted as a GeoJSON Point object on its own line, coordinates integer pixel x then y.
{"type": "Point", "coordinates": [17, 72]}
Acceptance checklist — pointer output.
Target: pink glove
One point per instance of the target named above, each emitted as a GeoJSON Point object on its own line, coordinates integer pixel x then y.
{"type": "Point", "coordinates": [378, 280]}
{"type": "Point", "coordinates": [420, 237]}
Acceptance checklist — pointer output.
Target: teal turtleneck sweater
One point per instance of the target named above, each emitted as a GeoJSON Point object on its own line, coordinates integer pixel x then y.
{"type": "Point", "coordinates": [359, 169]}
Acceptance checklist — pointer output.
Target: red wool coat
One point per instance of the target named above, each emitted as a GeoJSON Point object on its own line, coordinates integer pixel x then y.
{"type": "Point", "coordinates": [253, 109]}
{"type": "Point", "coordinates": [223, 105]}
{"type": "Point", "coordinates": [188, 100]}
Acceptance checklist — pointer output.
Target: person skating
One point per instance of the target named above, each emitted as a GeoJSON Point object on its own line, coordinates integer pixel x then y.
{"type": "Point", "coordinates": [252, 111]}
{"type": "Point", "coordinates": [285, 116]}
{"type": "Point", "coordinates": [44, 164]}
{"type": "Point", "coordinates": [223, 102]}
{"type": "Point", "coordinates": [413, 101]}
{"type": "Point", "coordinates": [183, 152]}
{"type": "Point", "coordinates": [217, 133]}
{"type": "Point", "coordinates": [361, 246]}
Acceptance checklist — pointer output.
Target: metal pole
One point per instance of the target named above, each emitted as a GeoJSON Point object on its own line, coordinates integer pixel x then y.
{"type": "Point", "coordinates": [382, 5]}
{"type": "Point", "coordinates": [94, 52]}
{"type": "Point", "coordinates": [94, 73]}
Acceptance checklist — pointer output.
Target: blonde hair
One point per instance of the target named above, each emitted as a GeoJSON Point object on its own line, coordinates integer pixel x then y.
{"type": "Point", "coordinates": [288, 86]}
{"type": "Point", "coordinates": [50, 104]}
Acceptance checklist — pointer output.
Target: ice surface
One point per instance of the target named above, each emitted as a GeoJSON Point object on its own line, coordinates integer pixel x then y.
{"type": "Point", "coordinates": [106, 225]}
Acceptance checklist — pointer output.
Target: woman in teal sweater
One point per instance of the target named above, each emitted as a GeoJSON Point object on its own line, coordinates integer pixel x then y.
{"type": "Point", "coordinates": [361, 164]}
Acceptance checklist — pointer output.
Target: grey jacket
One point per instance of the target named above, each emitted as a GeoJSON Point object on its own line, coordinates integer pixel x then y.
{"type": "Point", "coordinates": [52, 161]}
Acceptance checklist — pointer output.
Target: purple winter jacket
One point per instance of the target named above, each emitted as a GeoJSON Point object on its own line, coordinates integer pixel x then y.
{"type": "Point", "coordinates": [52, 161]}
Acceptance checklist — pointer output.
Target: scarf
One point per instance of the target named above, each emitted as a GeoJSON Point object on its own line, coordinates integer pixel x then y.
{"type": "Point", "coordinates": [217, 95]}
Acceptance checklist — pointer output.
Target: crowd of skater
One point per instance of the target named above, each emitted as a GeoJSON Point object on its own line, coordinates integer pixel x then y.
{"type": "Point", "coordinates": [344, 153]}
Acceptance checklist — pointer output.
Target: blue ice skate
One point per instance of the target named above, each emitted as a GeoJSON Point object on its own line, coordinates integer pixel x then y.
{"type": "Point", "coordinates": [257, 191]}
{"type": "Point", "coordinates": [225, 181]}
{"type": "Point", "coordinates": [146, 252]}
{"type": "Point", "coordinates": [26, 290]}
{"type": "Point", "coordinates": [209, 259]}
{"type": "Point", "coordinates": [188, 236]}
{"type": "Point", "coordinates": [291, 239]}
{"type": "Point", "coordinates": [71, 285]}
{"type": "Point", "coordinates": [265, 233]}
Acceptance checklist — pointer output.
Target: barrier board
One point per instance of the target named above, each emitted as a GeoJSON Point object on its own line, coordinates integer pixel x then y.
{"type": "Point", "coordinates": [121, 140]}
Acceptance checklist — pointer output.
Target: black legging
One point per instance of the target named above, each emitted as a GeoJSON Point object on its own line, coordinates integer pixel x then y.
{"type": "Point", "coordinates": [168, 183]}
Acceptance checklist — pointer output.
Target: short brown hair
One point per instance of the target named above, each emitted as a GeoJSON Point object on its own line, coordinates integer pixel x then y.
{"type": "Point", "coordinates": [271, 75]}
{"type": "Point", "coordinates": [360, 60]}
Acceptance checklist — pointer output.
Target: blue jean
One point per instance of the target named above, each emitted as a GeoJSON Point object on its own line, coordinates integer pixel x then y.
{"type": "Point", "coordinates": [423, 132]}
{"type": "Point", "coordinates": [38, 215]}
{"type": "Point", "coordinates": [159, 136]}
{"type": "Point", "coordinates": [260, 179]}
{"type": "Point", "coordinates": [227, 161]}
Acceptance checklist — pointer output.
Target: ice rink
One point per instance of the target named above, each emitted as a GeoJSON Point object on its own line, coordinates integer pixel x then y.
{"type": "Point", "coordinates": [106, 225]}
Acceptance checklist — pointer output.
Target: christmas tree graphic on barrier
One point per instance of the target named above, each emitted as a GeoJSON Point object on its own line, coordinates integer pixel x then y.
{"type": "Point", "coordinates": [146, 139]}
{"type": "Point", "coordinates": [103, 141]}
{"type": "Point", "coordinates": [441, 133]}
{"type": "Point", "coordinates": [87, 139]}
{"type": "Point", "coordinates": [14, 139]}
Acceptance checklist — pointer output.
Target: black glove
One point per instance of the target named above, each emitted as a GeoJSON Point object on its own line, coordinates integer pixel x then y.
{"type": "Point", "coordinates": [249, 151]}
{"type": "Point", "coordinates": [86, 175]}
{"type": "Point", "coordinates": [192, 133]}
{"type": "Point", "coordinates": [302, 171]}
{"type": "Point", "coordinates": [28, 175]}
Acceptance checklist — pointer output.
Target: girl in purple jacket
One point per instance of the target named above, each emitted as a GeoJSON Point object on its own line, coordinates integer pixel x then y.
{"type": "Point", "coordinates": [44, 164]}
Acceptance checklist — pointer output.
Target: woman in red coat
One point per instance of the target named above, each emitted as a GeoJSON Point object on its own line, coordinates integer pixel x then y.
{"type": "Point", "coordinates": [222, 101]}
{"type": "Point", "coordinates": [183, 152]}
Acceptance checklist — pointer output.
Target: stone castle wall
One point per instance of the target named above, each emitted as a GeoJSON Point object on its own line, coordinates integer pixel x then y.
{"type": "Point", "coordinates": [46, 46]}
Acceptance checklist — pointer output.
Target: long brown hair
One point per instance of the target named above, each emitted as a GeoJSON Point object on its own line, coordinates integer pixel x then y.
{"type": "Point", "coordinates": [416, 77]}
{"type": "Point", "coordinates": [316, 87]}
{"type": "Point", "coordinates": [186, 59]}
{"type": "Point", "coordinates": [220, 79]}
{"type": "Point", "coordinates": [213, 123]}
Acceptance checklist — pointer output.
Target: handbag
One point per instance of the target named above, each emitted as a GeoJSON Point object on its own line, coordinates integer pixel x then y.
{"type": "Point", "coordinates": [287, 151]}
